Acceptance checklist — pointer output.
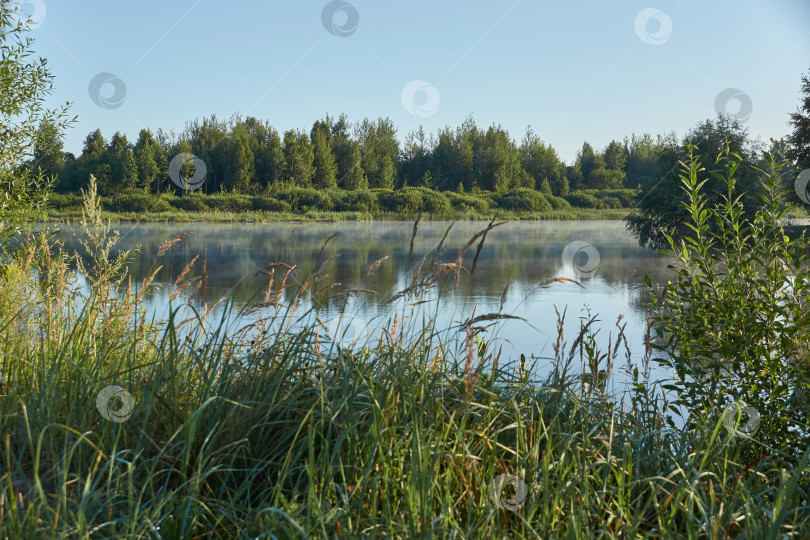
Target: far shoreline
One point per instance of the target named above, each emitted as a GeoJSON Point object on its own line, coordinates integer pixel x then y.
{"type": "Point", "coordinates": [577, 214]}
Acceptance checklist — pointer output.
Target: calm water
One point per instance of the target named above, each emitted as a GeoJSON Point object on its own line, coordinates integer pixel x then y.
{"type": "Point", "coordinates": [516, 258]}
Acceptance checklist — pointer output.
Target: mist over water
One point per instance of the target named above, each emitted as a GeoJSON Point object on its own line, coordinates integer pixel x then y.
{"type": "Point", "coordinates": [516, 259]}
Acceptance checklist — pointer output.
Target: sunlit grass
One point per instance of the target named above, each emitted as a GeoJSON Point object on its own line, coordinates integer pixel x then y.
{"type": "Point", "coordinates": [279, 432]}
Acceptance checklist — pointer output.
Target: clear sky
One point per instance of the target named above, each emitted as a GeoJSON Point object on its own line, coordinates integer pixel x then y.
{"type": "Point", "coordinates": [573, 70]}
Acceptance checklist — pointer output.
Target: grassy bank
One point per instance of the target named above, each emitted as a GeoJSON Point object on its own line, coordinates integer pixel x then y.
{"type": "Point", "coordinates": [259, 216]}
{"type": "Point", "coordinates": [280, 431]}
{"type": "Point", "coordinates": [337, 205]}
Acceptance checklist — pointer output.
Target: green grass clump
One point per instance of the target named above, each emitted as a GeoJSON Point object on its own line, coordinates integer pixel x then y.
{"type": "Point", "coordinates": [281, 429]}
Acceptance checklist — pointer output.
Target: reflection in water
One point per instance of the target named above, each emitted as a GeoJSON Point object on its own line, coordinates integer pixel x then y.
{"type": "Point", "coordinates": [516, 258]}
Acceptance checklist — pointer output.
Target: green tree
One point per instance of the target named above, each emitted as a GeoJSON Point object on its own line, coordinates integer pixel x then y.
{"type": "Point", "coordinates": [239, 166]}
{"type": "Point", "coordinates": [353, 178]}
{"type": "Point", "coordinates": [49, 157]}
{"type": "Point", "coordinates": [387, 174]}
{"type": "Point", "coordinates": [642, 160]}
{"type": "Point", "coordinates": [298, 158]}
{"type": "Point", "coordinates": [800, 121]}
{"type": "Point", "coordinates": [114, 156]}
{"type": "Point", "coordinates": [497, 163]}
{"type": "Point", "coordinates": [129, 177]}
{"type": "Point", "coordinates": [542, 163]}
{"type": "Point", "coordinates": [587, 159]}
{"type": "Point", "coordinates": [416, 158]}
{"type": "Point", "coordinates": [94, 145]}
{"type": "Point", "coordinates": [146, 149]}
{"type": "Point", "coordinates": [25, 83]}
{"type": "Point", "coordinates": [660, 207]}
{"type": "Point", "coordinates": [323, 156]}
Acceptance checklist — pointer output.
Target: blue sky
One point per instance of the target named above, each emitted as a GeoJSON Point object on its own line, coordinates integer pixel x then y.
{"type": "Point", "coordinates": [574, 70]}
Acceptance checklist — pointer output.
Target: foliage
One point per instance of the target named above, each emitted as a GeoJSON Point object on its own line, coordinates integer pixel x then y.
{"type": "Point", "coordinates": [581, 199]}
{"type": "Point", "coordinates": [136, 200]}
{"type": "Point", "coordinates": [401, 434]}
{"type": "Point", "coordinates": [29, 131]}
{"type": "Point", "coordinates": [524, 200]}
{"type": "Point", "coordinates": [734, 323]}
{"type": "Point", "coordinates": [800, 120]}
{"type": "Point", "coordinates": [660, 204]}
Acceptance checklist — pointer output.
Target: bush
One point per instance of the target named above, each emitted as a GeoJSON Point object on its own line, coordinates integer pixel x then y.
{"type": "Point", "coordinates": [59, 201]}
{"type": "Point", "coordinates": [558, 203]}
{"type": "Point", "coordinates": [230, 202]}
{"type": "Point", "coordinates": [435, 202]}
{"type": "Point", "coordinates": [579, 199]}
{"type": "Point", "coordinates": [611, 202]}
{"type": "Point", "coordinates": [734, 324]}
{"type": "Point", "coordinates": [190, 202]}
{"type": "Point", "coordinates": [524, 200]}
{"type": "Point", "coordinates": [135, 200]}
{"type": "Point", "coordinates": [303, 200]}
{"type": "Point", "coordinates": [357, 201]}
{"type": "Point", "coordinates": [468, 203]}
{"type": "Point", "coordinates": [269, 204]}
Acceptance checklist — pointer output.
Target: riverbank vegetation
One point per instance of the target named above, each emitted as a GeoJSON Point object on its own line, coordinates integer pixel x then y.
{"type": "Point", "coordinates": [114, 424]}
{"type": "Point", "coordinates": [288, 428]}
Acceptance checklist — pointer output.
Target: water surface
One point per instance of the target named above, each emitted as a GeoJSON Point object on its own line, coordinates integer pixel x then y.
{"type": "Point", "coordinates": [516, 259]}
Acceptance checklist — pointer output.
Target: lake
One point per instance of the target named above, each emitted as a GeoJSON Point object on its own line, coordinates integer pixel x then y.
{"type": "Point", "coordinates": [516, 259]}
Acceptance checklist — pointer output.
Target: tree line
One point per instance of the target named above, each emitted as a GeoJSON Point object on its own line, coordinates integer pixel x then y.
{"type": "Point", "coordinates": [250, 156]}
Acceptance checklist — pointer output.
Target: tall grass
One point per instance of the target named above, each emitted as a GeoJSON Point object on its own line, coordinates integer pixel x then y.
{"type": "Point", "coordinates": [278, 431]}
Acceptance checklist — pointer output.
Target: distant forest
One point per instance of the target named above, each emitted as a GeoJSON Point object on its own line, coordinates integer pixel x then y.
{"type": "Point", "coordinates": [339, 166]}
{"type": "Point", "coordinates": [249, 156]}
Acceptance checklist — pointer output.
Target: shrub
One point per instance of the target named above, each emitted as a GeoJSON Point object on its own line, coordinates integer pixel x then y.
{"type": "Point", "coordinates": [558, 203]}
{"type": "Point", "coordinates": [230, 202]}
{"type": "Point", "coordinates": [468, 203]}
{"type": "Point", "coordinates": [523, 200]}
{"type": "Point", "coordinates": [269, 204]}
{"type": "Point", "coordinates": [579, 199]}
{"type": "Point", "coordinates": [357, 201]}
{"type": "Point", "coordinates": [303, 200]}
{"type": "Point", "coordinates": [60, 201]}
{"type": "Point", "coordinates": [190, 202]}
{"type": "Point", "coordinates": [734, 324]}
{"type": "Point", "coordinates": [407, 201]}
{"type": "Point", "coordinates": [435, 202]}
{"type": "Point", "coordinates": [611, 202]}
{"type": "Point", "coordinates": [135, 200]}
